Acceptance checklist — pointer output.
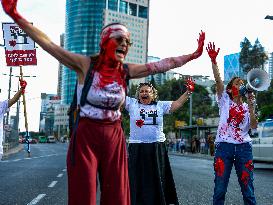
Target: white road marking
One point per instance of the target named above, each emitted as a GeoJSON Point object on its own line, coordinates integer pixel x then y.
{"type": "Point", "coordinates": [60, 175]}
{"type": "Point", "coordinates": [37, 199]}
{"type": "Point", "coordinates": [52, 184]}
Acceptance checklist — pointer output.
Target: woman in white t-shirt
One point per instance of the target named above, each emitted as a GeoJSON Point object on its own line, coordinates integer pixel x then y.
{"type": "Point", "coordinates": [4, 107]}
{"type": "Point", "coordinates": [233, 143]}
{"type": "Point", "coordinates": [151, 180]}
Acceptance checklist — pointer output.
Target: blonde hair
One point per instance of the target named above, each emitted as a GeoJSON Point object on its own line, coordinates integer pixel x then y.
{"type": "Point", "coordinates": [155, 95]}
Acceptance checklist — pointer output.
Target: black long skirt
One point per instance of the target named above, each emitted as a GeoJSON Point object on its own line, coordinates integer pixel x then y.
{"type": "Point", "coordinates": [151, 179]}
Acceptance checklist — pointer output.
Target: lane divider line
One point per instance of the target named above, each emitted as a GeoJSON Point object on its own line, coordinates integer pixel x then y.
{"type": "Point", "coordinates": [52, 184]}
{"type": "Point", "coordinates": [37, 199]}
{"type": "Point", "coordinates": [60, 175]}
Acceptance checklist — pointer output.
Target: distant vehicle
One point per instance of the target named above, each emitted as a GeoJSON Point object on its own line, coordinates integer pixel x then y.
{"type": "Point", "coordinates": [262, 142]}
{"type": "Point", "coordinates": [42, 139]}
{"type": "Point", "coordinates": [51, 139]}
{"type": "Point", "coordinates": [33, 141]}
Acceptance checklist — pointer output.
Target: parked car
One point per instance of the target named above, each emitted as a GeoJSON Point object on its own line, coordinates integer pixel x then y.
{"type": "Point", "coordinates": [42, 139]}
{"type": "Point", "coordinates": [262, 142]}
{"type": "Point", "coordinates": [51, 139]}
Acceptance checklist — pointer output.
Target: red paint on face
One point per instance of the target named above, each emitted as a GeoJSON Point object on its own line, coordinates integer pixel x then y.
{"type": "Point", "coordinates": [110, 51]}
{"type": "Point", "coordinates": [249, 165]}
{"type": "Point", "coordinates": [235, 91]}
{"type": "Point", "coordinates": [219, 167]}
{"type": "Point", "coordinates": [110, 69]}
{"type": "Point", "coordinates": [245, 177]}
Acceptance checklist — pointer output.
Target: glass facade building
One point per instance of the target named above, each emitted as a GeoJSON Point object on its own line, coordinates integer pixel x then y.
{"type": "Point", "coordinates": [84, 20]}
{"type": "Point", "coordinates": [232, 67]}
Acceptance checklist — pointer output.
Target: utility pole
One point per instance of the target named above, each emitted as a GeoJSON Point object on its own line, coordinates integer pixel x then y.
{"type": "Point", "coordinates": [10, 74]}
{"type": "Point", "coordinates": [190, 122]}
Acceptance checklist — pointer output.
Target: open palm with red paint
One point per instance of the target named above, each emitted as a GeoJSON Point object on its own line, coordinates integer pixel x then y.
{"type": "Point", "coordinates": [190, 84]}
{"type": "Point", "coordinates": [199, 49]}
{"type": "Point", "coordinates": [212, 52]}
{"type": "Point", "coordinates": [10, 7]}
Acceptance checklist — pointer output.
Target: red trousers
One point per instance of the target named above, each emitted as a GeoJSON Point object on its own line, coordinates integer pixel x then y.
{"type": "Point", "coordinates": [99, 148]}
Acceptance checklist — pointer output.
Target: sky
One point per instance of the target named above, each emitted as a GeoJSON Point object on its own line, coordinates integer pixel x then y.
{"type": "Point", "coordinates": [174, 28]}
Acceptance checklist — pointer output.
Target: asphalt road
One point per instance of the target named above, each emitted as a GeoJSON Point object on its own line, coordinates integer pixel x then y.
{"type": "Point", "coordinates": [41, 179]}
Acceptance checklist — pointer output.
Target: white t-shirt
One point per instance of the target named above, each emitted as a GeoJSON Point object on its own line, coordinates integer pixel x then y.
{"type": "Point", "coordinates": [146, 121]}
{"type": "Point", "coordinates": [3, 110]}
{"type": "Point", "coordinates": [234, 121]}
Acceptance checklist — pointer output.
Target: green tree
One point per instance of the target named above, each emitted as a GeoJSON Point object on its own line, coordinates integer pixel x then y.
{"type": "Point", "coordinates": [201, 103]}
{"type": "Point", "coordinates": [153, 82]}
{"type": "Point", "coordinates": [252, 56]}
{"type": "Point", "coordinates": [244, 59]}
{"type": "Point", "coordinates": [258, 57]}
{"type": "Point", "coordinates": [265, 103]}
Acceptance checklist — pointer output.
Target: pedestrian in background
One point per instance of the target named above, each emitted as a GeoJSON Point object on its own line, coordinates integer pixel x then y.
{"type": "Point", "coordinates": [211, 144]}
{"type": "Point", "coordinates": [233, 143]}
{"type": "Point", "coordinates": [202, 145]}
{"type": "Point", "coordinates": [4, 107]}
{"type": "Point", "coordinates": [182, 145]}
{"type": "Point", "coordinates": [151, 179]}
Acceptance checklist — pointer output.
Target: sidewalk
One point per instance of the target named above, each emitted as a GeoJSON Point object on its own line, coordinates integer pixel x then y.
{"type": "Point", "coordinates": [13, 151]}
{"type": "Point", "coordinates": [192, 155]}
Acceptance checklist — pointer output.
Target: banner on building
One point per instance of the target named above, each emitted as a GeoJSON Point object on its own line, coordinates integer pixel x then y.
{"type": "Point", "coordinates": [19, 47]}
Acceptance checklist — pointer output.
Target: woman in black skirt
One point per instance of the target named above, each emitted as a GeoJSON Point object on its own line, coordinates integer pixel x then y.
{"type": "Point", "coordinates": [151, 180]}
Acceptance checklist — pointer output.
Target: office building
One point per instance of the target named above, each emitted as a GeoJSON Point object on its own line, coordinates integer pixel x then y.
{"type": "Point", "coordinates": [232, 67]}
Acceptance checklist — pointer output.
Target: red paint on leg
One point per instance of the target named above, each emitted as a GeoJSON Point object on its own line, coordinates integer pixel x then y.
{"type": "Point", "coordinates": [249, 165]}
{"type": "Point", "coordinates": [245, 177]}
{"type": "Point", "coordinates": [219, 167]}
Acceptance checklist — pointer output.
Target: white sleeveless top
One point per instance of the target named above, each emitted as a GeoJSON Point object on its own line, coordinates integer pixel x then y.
{"type": "Point", "coordinates": [112, 95]}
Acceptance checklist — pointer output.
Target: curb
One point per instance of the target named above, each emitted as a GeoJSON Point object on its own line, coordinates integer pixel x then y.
{"type": "Point", "coordinates": [198, 156]}
{"type": "Point", "coordinates": [13, 150]}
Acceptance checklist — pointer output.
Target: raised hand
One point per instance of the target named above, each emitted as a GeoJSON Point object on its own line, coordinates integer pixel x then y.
{"type": "Point", "coordinates": [190, 85]}
{"type": "Point", "coordinates": [212, 52]}
{"type": "Point", "coordinates": [9, 7]}
{"type": "Point", "coordinates": [23, 85]}
{"type": "Point", "coordinates": [251, 98]}
{"type": "Point", "coordinates": [199, 50]}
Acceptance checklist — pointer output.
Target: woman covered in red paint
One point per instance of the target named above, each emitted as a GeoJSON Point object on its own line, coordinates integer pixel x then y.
{"type": "Point", "coordinates": [151, 179]}
{"type": "Point", "coordinates": [233, 143]}
{"type": "Point", "coordinates": [99, 144]}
